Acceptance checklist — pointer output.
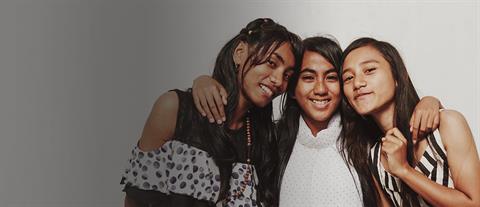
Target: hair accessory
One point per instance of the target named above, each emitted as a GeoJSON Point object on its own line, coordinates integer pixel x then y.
{"type": "Point", "coordinates": [249, 32]}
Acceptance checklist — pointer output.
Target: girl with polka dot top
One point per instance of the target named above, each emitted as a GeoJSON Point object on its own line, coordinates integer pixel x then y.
{"type": "Point", "coordinates": [182, 159]}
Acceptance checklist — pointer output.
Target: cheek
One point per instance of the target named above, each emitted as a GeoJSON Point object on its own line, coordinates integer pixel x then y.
{"type": "Point", "coordinates": [302, 89]}
{"type": "Point", "coordinates": [386, 85]}
{"type": "Point", "coordinates": [347, 90]}
{"type": "Point", "coordinates": [334, 89]}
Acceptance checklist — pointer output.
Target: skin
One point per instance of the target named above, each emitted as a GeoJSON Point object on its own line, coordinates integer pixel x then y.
{"type": "Point", "coordinates": [369, 87]}
{"type": "Point", "coordinates": [272, 74]}
{"type": "Point", "coordinates": [317, 91]}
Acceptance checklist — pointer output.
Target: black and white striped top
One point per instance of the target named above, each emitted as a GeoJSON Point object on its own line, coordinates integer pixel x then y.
{"type": "Point", "coordinates": [432, 164]}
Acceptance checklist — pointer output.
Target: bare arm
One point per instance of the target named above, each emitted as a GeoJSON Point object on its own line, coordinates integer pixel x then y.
{"type": "Point", "coordinates": [160, 125]}
{"type": "Point", "coordinates": [464, 166]}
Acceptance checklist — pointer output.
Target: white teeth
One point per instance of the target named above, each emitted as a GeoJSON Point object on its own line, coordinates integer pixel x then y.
{"type": "Point", "coordinates": [323, 102]}
{"type": "Point", "coordinates": [266, 90]}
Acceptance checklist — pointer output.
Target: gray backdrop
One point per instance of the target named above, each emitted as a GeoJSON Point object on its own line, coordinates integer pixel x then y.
{"type": "Point", "coordinates": [78, 77]}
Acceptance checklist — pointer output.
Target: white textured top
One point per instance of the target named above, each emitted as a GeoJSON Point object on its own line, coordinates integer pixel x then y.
{"type": "Point", "coordinates": [316, 174]}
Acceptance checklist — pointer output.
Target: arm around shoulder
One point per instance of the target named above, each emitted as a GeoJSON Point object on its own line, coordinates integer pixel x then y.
{"type": "Point", "coordinates": [161, 123]}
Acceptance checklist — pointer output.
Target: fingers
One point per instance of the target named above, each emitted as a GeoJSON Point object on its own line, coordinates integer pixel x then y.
{"type": "Point", "coordinates": [416, 124]}
{"type": "Point", "coordinates": [206, 108]}
{"type": "Point", "coordinates": [436, 122]}
{"type": "Point", "coordinates": [393, 140]}
{"type": "Point", "coordinates": [223, 94]}
{"type": "Point", "coordinates": [429, 126]}
{"type": "Point", "coordinates": [198, 105]}
{"type": "Point", "coordinates": [217, 106]}
{"type": "Point", "coordinates": [423, 124]}
{"type": "Point", "coordinates": [397, 134]}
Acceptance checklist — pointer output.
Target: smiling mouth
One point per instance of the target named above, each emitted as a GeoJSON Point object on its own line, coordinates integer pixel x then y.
{"type": "Point", "coordinates": [320, 103]}
{"type": "Point", "coordinates": [266, 90]}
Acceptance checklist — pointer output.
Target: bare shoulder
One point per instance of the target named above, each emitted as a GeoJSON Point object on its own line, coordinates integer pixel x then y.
{"type": "Point", "coordinates": [454, 129]}
{"type": "Point", "coordinates": [161, 123]}
{"type": "Point", "coordinates": [167, 103]}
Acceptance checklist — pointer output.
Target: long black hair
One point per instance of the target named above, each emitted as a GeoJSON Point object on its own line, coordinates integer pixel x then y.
{"type": "Point", "coordinates": [361, 133]}
{"type": "Point", "coordinates": [287, 126]}
{"type": "Point", "coordinates": [263, 36]}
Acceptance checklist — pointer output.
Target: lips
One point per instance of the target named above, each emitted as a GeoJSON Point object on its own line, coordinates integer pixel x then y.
{"type": "Point", "coordinates": [362, 94]}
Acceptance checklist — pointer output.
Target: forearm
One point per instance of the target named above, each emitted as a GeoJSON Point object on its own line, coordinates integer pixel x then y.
{"type": "Point", "coordinates": [434, 193]}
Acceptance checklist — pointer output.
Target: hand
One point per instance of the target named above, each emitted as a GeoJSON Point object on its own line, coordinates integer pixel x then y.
{"type": "Point", "coordinates": [394, 151]}
{"type": "Point", "coordinates": [425, 117]}
{"type": "Point", "coordinates": [209, 97]}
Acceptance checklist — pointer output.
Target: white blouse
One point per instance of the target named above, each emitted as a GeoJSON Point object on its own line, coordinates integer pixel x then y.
{"type": "Point", "coordinates": [316, 174]}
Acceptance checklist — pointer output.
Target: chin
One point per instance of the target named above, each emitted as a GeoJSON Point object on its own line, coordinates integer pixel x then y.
{"type": "Point", "coordinates": [363, 111]}
{"type": "Point", "coordinates": [261, 103]}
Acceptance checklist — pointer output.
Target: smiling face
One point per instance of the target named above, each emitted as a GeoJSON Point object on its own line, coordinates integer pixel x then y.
{"type": "Point", "coordinates": [269, 79]}
{"type": "Point", "coordinates": [368, 82]}
{"type": "Point", "coordinates": [318, 90]}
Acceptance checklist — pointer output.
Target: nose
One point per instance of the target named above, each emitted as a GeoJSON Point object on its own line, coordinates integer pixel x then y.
{"type": "Point", "coordinates": [276, 78]}
{"type": "Point", "coordinates": [359, 82]}
{"type": "Point", "coordinates": [320, 88]}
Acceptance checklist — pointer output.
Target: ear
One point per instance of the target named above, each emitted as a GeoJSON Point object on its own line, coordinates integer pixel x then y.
{"type": "Point", "coordinates": [240, 53]}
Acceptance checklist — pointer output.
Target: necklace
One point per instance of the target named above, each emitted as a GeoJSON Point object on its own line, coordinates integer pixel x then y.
{"type": "Point", "coordinates": [247, 177]}
{"type": "Point", "coordinates": [249, 139]}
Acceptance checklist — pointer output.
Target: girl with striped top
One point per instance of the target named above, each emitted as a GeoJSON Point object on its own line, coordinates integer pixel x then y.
{"type": "Point", "coordinates": [437, 169]}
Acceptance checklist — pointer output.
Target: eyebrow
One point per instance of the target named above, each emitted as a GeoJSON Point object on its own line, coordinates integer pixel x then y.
{"type": "Point", "coordinates": [369, 61]}
{"type": "Point", "coordinates": [309, 70]}
{"type": "Point", "coordinates": [279, 57]}
{"type": "Point", "coordinates": [362, 63]}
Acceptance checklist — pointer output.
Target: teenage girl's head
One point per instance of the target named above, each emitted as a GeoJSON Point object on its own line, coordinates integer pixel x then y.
{"type": "Point", "coordinates": [316, 88]}
{"type": "Point", "coordinates": [374, 76]}
{"type": "Point", "coordinates": [256, 64]}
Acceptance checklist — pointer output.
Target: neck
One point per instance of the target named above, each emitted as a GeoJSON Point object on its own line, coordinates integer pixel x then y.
{"type": "Point", "coordinates": [315, 126]}
{"type": "Point", "coordinates": [239, 113]}
{"type": "Point", "coordinates": [385, 116]}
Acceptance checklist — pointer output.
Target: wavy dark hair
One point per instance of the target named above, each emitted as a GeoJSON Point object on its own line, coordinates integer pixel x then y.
{"type": "Point", "coordinates": [263, 36]}
{"type": "Point", "coordinates": [287, 126]}
{"type": "Point", "coordinates": [361, 133]}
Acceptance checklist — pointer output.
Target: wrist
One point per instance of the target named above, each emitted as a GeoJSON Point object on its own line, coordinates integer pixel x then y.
{"type": "Point", "coordinates": [404, 171]}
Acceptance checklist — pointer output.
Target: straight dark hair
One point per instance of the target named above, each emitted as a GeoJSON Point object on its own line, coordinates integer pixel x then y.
{"type": "Point", "coordinates": [361, 133]}
{"type": "Point", "coordinates": [287, 126]}
{"type": "Point", "coordinates": [263, 36]}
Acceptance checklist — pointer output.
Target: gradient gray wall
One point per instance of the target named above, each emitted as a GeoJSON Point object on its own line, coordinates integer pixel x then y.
{"type": "Point", "coordinates": [78, 78]}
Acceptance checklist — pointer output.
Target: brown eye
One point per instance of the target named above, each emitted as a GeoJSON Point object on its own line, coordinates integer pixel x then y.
{"type": "Point", "coordinates": [308, 77]}
{"type": "Point", "coordinates": [370, 70]}
{"type": "Point", "coordinates": [332, 77]}
{"type": "Point", "coordinates": [347, 79]}
{"type": "Point", "coordinates": [271, 63]}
